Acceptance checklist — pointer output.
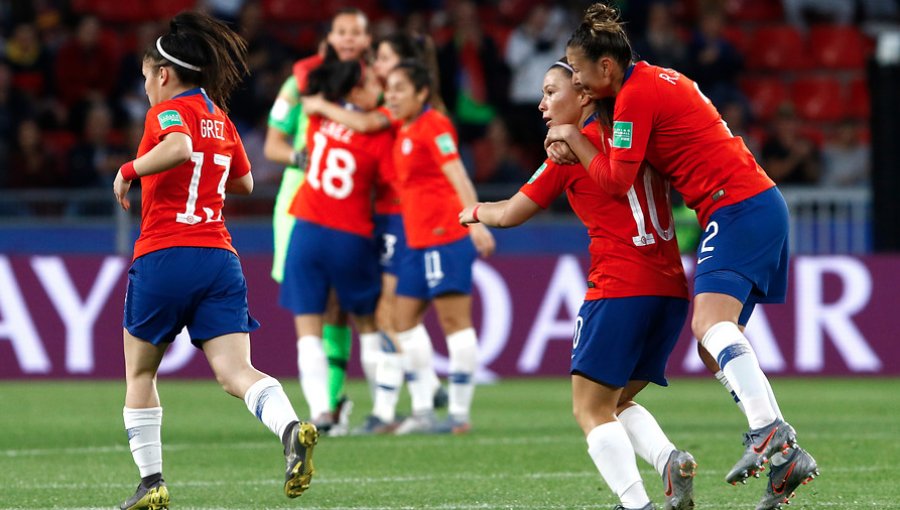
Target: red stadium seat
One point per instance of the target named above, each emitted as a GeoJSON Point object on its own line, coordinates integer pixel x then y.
{"type": "Point", "coordinates": [765, 95]}
{"type": "Point", "coordinates": [836, 47]}
{"type": "Point", "coordinates": [121, 11]}
{"type": "Point", "coordinates": [779, 48]}
{"type": "Point", "coordinates": [757, 10]}
{"type": "Point", "coordinates": [737, 37]}
{"type": "Point", "coordinates": [818, 99]}
{"type": "Point", "coordinates": [169, 8]}
{"type": "Point", "coordinates": [291, 10]}
{"type": "Point", "coordinates": [858, 102]}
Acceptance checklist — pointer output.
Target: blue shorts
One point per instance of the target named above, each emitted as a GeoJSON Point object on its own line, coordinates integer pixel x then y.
{"type": "Point", "coordinates": [201, 288]}
{"type": "Point", "coordinates": [391, 241]}
{"type": "Point", "coordinates": [627, 339]}
{"type": "Point", "coordinates": [427, 273]}
{"type": "Point", "coordinates": [320, 258]}
{"type": "Point", "coordinates": [744, 252]}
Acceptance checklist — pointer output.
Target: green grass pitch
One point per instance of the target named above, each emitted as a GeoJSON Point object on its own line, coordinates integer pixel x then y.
{"type": "Point", "coordinates": [62, 445]}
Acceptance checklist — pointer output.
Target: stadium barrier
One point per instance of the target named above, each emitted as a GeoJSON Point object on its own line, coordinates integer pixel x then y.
{"type": "Point", "coordinates": [61, 316]}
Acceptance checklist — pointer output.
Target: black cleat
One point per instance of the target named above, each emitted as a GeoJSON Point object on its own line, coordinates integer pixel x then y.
{"type": "Point", "coordinates": [155, 497]}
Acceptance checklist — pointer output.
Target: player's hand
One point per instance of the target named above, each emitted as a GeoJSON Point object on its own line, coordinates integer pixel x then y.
{"type": "Point", "coordinates": [120, 190]}
{"type": "Point", "coordinates": [561, 154]}
{"type": "Point", "coordinates": [313, 105]}
{"type": "Point", "coordinates": [483, 239]}
{"type": "Point", "coordinates": [559, 134]}
{"type": "Point", "coordinates": [466, 216]}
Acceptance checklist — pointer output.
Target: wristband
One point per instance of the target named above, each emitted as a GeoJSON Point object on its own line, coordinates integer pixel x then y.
{"type": "Point", "coordinates": [128, 172]}
{"type": "Point", "coordinates": [475, 213]}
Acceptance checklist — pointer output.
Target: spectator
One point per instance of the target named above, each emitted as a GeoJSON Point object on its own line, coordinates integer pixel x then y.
{"type": "Point", "coordinates": [801, 13]}
{"type": "Point", "coordinates": [130, 96]}
{"type": "Point", "coordinates": [13, 108]}
{"type": "Point", "coordinates": [94, 160]}
{"type": "Point", "coordinates": [498, 159]}
{"type": "Point", "coordinates": [789, 157]}
{"type": "Point", "coordinates": [714, 63]}
{"type": "Point", "coordinates": [532, 48]}
{"type": "Point", "coordinates": [846, 159]}
{"type": "Point", "coordinates": [85, 65]}
{"type": "Point", "coordinates": [30, 62]}
{"type": "Point", "coordinates": [735, 113]}
{"type": "Point", "coordinates": [474, 78]}
{"type": "Point", "coordinates": [31, 164]}
{"type": "Point", "coordinates": [661, 44]}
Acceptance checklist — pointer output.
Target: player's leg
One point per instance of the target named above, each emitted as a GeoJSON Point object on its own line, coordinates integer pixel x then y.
{"type": "Point", "coordinates": [337, 341]}
{"type": "Point", "coordinates": [143, 421]}
{"type": "Point", "coordinates": [594, 406]}
{"type": "Point", "coordinates": [454, 313]}
{"type": "Point", "coordinates": [229, 358]}
{"type": "Point", "coordinates": [283, 220]}
{"type": "Point", "coordinates": [417, 360]}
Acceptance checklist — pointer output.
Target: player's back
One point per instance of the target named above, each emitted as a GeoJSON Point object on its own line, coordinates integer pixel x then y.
{"type": "Point", "coordinates": [662, 117]}
{"type": "Point", "coordinates": [341, 174]}
{"type": "Point", "coordinates": [183, 206]}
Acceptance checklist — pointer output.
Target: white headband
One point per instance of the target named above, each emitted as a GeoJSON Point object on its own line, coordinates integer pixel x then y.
{"type": "Point", "coordinates": [174, 60]}
{"type": "Point", "coordinates": [564, 65]}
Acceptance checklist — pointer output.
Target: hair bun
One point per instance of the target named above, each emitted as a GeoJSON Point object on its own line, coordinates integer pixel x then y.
{"type": "Point", "coordinates": [602, 18]}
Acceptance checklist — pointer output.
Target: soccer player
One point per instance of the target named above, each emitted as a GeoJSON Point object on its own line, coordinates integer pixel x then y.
{"type": "Point", "coordinates": [635, 306]}
{"type": "Point", "coordinates": [389, 232]}
{"type": "Point", "coordinates": [661, 117]}
{"type": "Point", "coordinates": [433, 187]}
{"type": "Point", "coordinates": [185, 271]}
{"type": "Point", "coordinates": [331, 245]}
{"type": "Point", "coordinates": [286, 143]}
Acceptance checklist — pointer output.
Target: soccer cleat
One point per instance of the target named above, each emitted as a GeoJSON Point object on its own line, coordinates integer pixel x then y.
{"type": "Point", "coordinates": [452, 426]}
{"type": "Point", "coordinates": [155, 497]}
{"type": "Point", "coordinates": [324, 422]}
{"type": "Point", "coordinates": [417, 424]}
{"type": "Point", "coordinates": [341, 426]}
{"type": "Point", "coordinates": [799, 469]}
{"type": "Point", "coordinates": [440, 399]}
{"type": "Point", "coordinates": [648, 506]}
{"type": "Point", "coordinates": [678, 481]}
{"type": "Point", "coordinates": [374, 426]}
{"type": "Point", "coordinates": [298, 458]}
{"type": "Point", "coordinates": [761, 444]}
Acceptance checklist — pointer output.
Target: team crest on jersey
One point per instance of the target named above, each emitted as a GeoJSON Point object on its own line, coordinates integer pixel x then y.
{"type": "Point", "coordinates": [406, 146]}
{"type": "Point", "coordinates": [445, 144]}
{"type": "Point", "coordinates": [621, 135]}
{"type": "Point", "coordinates": [168, 119]}
{"type": "Point", "coordinates": [537, 173]}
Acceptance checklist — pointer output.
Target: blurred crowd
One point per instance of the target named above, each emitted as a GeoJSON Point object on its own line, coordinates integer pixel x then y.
{"type": "Point", "coordinates": [72, 103]}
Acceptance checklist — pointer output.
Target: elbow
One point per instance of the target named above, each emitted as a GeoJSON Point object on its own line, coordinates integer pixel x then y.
{"type": "Point", "coordinates": [182, 152]}
{"type": "Point", "coordinates": [269, 151]}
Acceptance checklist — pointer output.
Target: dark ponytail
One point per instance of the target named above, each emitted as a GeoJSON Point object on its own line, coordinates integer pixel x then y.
{"type": "Point", "coordinates": [602, 34]}
{"type": "Point", "coordinates": [197, 41]}
{"type": "Point", "coordinates": [334, 79]}
{"type": "Point", "coordinates": [422, 49]}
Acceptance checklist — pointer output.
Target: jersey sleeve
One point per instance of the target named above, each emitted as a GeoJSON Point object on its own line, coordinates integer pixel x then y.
{"type": "Point", "coordinates": [632, 123]}
{"type": "Point", "coordinates": [548, 182]}
{"type": "Point", "coordinates": [164, 119]}
{"type": "Point", "coordinates": [285, 112]}
{"type": "Point", "coordinates": [240, 163]}
{"type": "Point", "coordinates": [442, 141]}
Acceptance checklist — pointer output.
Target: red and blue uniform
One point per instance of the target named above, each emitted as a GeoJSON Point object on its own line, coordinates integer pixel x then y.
{"type": "Point", "coordinates": [636, 300]}
{"type": "Point", "coordinates": [662, 118]}
{"type": "Point", "coordinates": [185, 271]}
{"type": "Point", "coordinates": [389, 234]}
{"type": "Point", "coordinates": [331, 245]}
{"type": "Point", "coordinates": [441, 253]}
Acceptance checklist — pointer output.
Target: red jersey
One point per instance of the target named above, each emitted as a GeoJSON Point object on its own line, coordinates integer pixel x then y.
{"type": "Point", "coordinates": [387, 199]}
{"type": "Point", "coordinates": [182, 206]}
{"type": "Point", "coordinates": [430, 203]}
{"type": "Point", "coordinates": [303, 67]}
{"type": "Point", "coordinates": [340, 176]}
{"type": "Point", "coordinates": [662, 117]}
{"type": "Point", "coordinates": [633, 247]}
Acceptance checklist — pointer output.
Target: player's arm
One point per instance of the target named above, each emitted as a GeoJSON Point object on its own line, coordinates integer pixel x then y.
{"type": "Point", "coordinates": [511, 212]}
{"type": "Point", "coordinates": [459, 179]}
{"type": "Point", "coordinates": [283, 124]}
{"type": "Point", "coordinates": [173, 150]}
{"type": "Point", "coordinates": [277, 147]}
{"type": "Point", "coordinates": [242, 185]}
{"type": "Point", "coordinates": [615, 177]}
{"type": "Point", "coordinates": [361, 122]}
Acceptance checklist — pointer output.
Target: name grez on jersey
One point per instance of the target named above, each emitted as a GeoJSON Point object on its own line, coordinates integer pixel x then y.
{"type": "Point", "coordinates": [210, 128]}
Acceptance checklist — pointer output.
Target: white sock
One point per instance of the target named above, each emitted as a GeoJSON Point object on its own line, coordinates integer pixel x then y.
{"type": "Point", "coordinates": [647, 437]}
{"type": "Point", "coordinates": [267, 401]}
{"type": "Point", "coordinates": [463, 349]}
{"type": "Point", "coordinates": [369, 353]}
{"type": "Point", "coordinates": [313, 367]}
{"type": "Point", "coordinates": [143, 428]}
{"type": "Point", "coordinates": [389, 380]}
{"type": "Point", "coordinates": [737, 360]}
{"type": "Point", "coordinates": [612, 453]}
{"type": "Point", "coordinates": [418, 363]}
{"type": "Point", "coordinates": [720, 376]}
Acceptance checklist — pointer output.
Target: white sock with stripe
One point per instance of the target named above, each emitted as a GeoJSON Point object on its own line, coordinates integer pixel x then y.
{"type": "Point", "coordinates": [143, 428]}
{"type": "Point", "coordinates": [463, 349]}
{"type": "Point", "coordinates": [313, 365]}
{"type": "Point", "coordinates": [267, 401]}
{"type": "Point", "coordinates": [612, 453]}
